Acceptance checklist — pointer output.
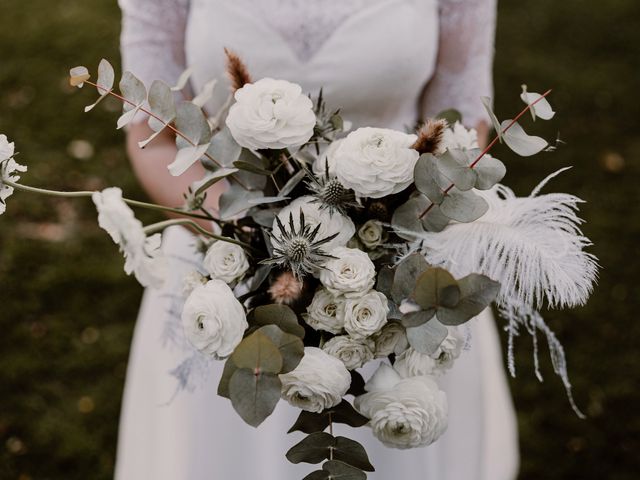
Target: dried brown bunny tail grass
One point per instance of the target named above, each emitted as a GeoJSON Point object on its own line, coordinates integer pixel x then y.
{"type": "Point", "coordinates": [236, 70]}
{"type": "Point", "coordinates": [286, 289]}
{"type": "Point", "coordinates": [430, 136]}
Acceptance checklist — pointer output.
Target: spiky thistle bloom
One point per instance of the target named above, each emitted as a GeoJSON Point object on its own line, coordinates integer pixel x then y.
{"type": "Point", "coordinates": [330, 193]}
{"type": "Point", "coordinates": [297, 248]}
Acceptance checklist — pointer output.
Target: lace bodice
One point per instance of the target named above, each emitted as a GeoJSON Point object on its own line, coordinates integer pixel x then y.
{"type": "Point", "coordinates": [383, 61]}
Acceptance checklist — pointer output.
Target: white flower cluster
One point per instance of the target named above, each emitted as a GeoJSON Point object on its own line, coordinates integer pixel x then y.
{"type": "Point", "coordinates": [143, 255]}
{"type": "Point", "coordinates": [9, 170]}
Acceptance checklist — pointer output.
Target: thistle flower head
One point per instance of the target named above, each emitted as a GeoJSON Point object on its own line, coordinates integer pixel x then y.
{"type": "Point", "coordinates": [298, 249]}
{"type": "Point", "coordinates": [330, 193]}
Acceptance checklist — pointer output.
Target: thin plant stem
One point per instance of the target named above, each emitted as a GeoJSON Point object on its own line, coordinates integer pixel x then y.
{"type": "Point", "coordinates": [79, 194]}
{"type": "Point", "coordinates": [490, 146]}
{"type": "Point", "coordinates": [168, 125]}
{"type": "Point", "coordinates": [156, 227]}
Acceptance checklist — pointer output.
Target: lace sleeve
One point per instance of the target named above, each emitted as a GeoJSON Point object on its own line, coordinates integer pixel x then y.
{"type": "Point", "coordinates": [464, 70]}
{"type": "Point", "coordinates": [152, 38]}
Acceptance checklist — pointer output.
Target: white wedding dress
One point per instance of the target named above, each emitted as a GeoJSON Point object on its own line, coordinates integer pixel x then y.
{"type": "Point", "coordinates": [373, 58]}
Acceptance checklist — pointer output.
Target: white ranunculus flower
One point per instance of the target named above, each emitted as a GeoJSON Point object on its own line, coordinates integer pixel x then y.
{"type": "Point", "coordinates": [351, 273]}
{"type": "Point", "coordinates": [459, 137]}
{"type": "Point", "coordinates": [353, 353]}
{"type": "Point", "coordinates": [404, 413]}
{"type": "Point", "coordinates": [375, 162]}
{"type": "Point", "coordinates": [318, 382]}
{"type": "Point", "coordinates": [271, 114]}
{"type": "Point", "coordinates": [192, 280]}
{"type": "Point", "coordinates": [143, 256]}
{"type": "Point", "coordinates": [330, 223]}
{"type": "Point", "coordinates": [9, 170]}
{"type": "Point", "coordinates": [412, 363]}
{"type": "Point", "coordinates": [213, 319]}
{"type": "Point", "coordinates": [391, 339]}
{"type": "Point", "coordinates": [326, 158]}
{"type": "Point", "coordinates": [226, 261]}
{"type": "Point", "coordinates": [326, 312]}
{"type": "Point", "coordinates": [365, 315]}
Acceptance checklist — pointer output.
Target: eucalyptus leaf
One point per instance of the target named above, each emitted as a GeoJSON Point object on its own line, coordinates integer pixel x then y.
{"type": "Point", "coordinates": [185, 158]}
{"type": "Point", "coordinates": [415, 319]}
{"type": "Point", "coordinates": [434, 220]}
{"type": "Point", "coordinates": [341, 471]}
{"type": "Point", "coordinates": [352, 453]}
{"type": "Point", "coordinates": [211, 179]}
{"type": "Point", "coordinates": [454, 164]}
{"type": "Point", "coordinates": [191, 122]}
{"type": "Point", "coordinates": [463, 207]}
{"type": "Point", "coordinates": [254, 396]}
{"type": "Point", "coordinates": [182, 80]}
{"type": "Point", "coordinates": [451, 116]}
{"type": "Point", "coordinates": [205, 95]}
{"type": "Point", "coordinates": [235, 201]}
{"type": "Point", "coordinates": [224, 148]}
{"type": "Point", "coordinates": [488, 105]}
{"type": "Point", "coordinates": [78, 75]}
{"type": "Point", "coordinates": [406, 276]}
{"type": "Point", "coordinates": [312, 449]}
{"type": "Point", "coordinates": [428, 178]}
{"type": "Point", "coordinates": [311, 422]}
{"type": "Point", "coordinates": [162, 105]}
{"type": "Point", "coordinates": [227, 372]}
{"type": "Point", "coordinates": [106, 78]}
{"type": "Point", "coordinates": [133, 90]}
{"type": "Point", "coordinates": [428, 337]}
{"type": "Point", "coordinates": [520, 142]}
{"type": "Point", "coordinates": [385, 280]}
{"type": "Point", "coordinates": [405, 221]}
{"type": "Point", "coordinates": [281, 316]}
{"type": "Point", "coordinates": [266, 200]}
{"type": "Point", "coordinates": [290, 346]}
{"type": "Point", "coordinates": [476, 293]}
{"type": "Point", "coordinates": [250, 167]}
{"type": "Point", "coordinates": [264, 216]}
{"type": "Point", "coordinates": [432, 287]}
{"type": "Point", "coordinates": [292, 183]}
{"type": "Point", "coordinates": [542, 109]}
{"type": "Point", "coordinates": [127, 117]}
{"type": "Point", "coordinates": [262, 273]}
{"type": "Point", "coordinates": [255, 181]}
{"type": "Point", "coordinates": [258, 353]}
{"type": "Point", "coordinates": [489, 171]}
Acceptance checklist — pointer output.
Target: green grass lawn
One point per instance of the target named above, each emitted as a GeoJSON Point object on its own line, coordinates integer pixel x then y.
{"type": "Point", "coordinates": [67, 310]}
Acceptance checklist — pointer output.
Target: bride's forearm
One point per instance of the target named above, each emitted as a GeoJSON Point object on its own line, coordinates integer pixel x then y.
{"type": "Point", "coordinates": [150, 166]}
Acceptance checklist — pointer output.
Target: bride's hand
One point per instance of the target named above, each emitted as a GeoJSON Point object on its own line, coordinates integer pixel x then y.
{"type": "Point", "coordinates": [150, 166]}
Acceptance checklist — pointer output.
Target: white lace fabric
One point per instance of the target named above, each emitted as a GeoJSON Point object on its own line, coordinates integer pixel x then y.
{"type": "Point", "coordinates": [153, 42]}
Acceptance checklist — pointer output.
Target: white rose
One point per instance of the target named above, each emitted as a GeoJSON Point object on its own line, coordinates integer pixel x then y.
{"type": "Point", "coordinates": [326, 312]}
{"type": "Point", "coordinates": [351, 273]}
{"type": "Point", "coordinates": [375, 162]}
{"type": "Point", "coordinates": [226, 261]}
{"type": "Point", "coordinates": [7, 148]}
{"type": "Point", "coordinates": [412, 363]}
{"type": "Point", "coordinates": [371, 234]}
{"type": "Point", "coordinates": [318, 382]}
{"type": "Point", "coordinates": [353, 353]}
{"type": "Point", "coordinates": [458, 137]}
{"type": "Point", "coordinates": [213, 319]}
{"type": "Point", "coordinates": [271, 114]}
{"type": "Point", "coordinates": [143, 256]}
{"type": "Point", "coordinates": [365, 315]}
{"type": "Point", "coordinates": [330, 223]}
{"type": "Point", "coordinates": [391, 339]}
{"type": "Point", "coordinates": [404, 413]}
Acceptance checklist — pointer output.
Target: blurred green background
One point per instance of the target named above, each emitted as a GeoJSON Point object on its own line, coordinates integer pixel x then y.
{"type": "Point", "coordinates": [67, 310]}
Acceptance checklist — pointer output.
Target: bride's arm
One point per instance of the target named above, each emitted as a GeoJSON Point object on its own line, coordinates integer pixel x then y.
{"type": "Point", "coordinates": [464, 70]}
{"type": "Point", "coordinates": [152, 45]}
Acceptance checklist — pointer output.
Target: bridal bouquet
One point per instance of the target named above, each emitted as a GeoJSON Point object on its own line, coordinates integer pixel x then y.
{"type": "Point", "coordinates": [334, 248]}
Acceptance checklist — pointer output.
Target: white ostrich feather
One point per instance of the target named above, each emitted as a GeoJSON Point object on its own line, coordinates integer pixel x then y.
{"type": "Point", "coordinates": [533, 246]}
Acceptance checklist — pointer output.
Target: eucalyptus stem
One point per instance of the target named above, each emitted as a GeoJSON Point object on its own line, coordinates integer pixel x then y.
{"type": "Point", "coordinates": [156, 227]}
{"type": "Point", "coordinates": [490, 146]}
{"type": "Point", "coordinates": [79, 194]}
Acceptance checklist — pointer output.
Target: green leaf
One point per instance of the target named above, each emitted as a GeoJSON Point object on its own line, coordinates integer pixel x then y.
{"type": "Point", "coordinates": [476, 293]}
{"type": "Point", "coordinates": [258, 353]}
{"type": "Point", "coordinates": [521, 143]}
{"type": "Point", "coordinates": [345, 413]}
{"type": "Point", "coordinates": [192, 123]}
{"type": "Point", "coordinates": [211, 179]}
{"type": "Point", "coordinates": [106, 78]}
{"type": "Point", "coordinates": [312, 449]}
{"type": "Point", "coordinates": [341, 471]}
{"type": "Point", "coordinates": [433, 287]}
{"type": "Point", "coordinates": [235, 201]}
{"type": "Point", "coordinates": [290, 346]}
{"type": "Point", "coordinates": [489, 171]}
{"type": "Point", "coordinates": [415, 319]}
{"type": "Point", "coordinates": [133, 90]}
{"type": "Point", "coordinates": [185, 158]}
{"type": "Point", "coordinates": [262, 273]}
{"type": "Point", "coordinates": [255, 181]}
{"type": "Point", "coordinates": [405, 219]}
{"type": "Point", "coordinates": [162, 105]}
{"type": "Point", "coordinates": [463, 207]}
{"type": "Point", "coordinates": [352, 453]}
{"type": "Point", "coordinates": [264, 216]}
{"type": "Point", "coordinates": [292, 183]}
{"type": "Point", "coordinates": [281, 316]}
{"type": "Point", "coordinates": [406, 275]}
{"type": "Point", "coordinates": [488, 105]}
{"type": "Point", "coordinates": [427, 337]}
{"type": "Point", "coordinates": [266, 200]}
{"type": "Point", "coordinates": [78, 75]}
{"type": "Point", "coordinates": [454, 164]}
{"type": "Point", "coordinates": [205, 94]}
{"type": "Point", "coordinates": [451, 116]}
{"type": "Point", "coordinates": [250, 167]}
{"type": "Point", "coordinates": [223, 148]}
{"type": "Point", "coordinates": [227, 373]}
{"type": "Point", "coordinates": [310, 422]}
{"type": "Point", "coordinates": [385, 280]}
{"type": "Point", "coordinates": [182, 80]}
{"type": "Point", "coordinates": [254, 395]}
{"type": "Point", "coordinates": [542, 109]}
{"type": "Point", "coordinates": [428, 178]}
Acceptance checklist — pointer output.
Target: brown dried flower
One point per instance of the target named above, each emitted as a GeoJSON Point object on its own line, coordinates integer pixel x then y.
{"type": "Point", "coordinates": [237, 70]}
{"type": "Point", "coordinates": [286, 289]}
{"type": "Point", "coordinates": [430, 136]}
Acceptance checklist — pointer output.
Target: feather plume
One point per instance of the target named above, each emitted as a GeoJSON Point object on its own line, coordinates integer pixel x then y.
{"type": "Point", "coordinates": [533, 246]}
{"type": "Point", "coordinates": [236, 70]}
{"type": "Point", "coordinates": [430, 136]}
